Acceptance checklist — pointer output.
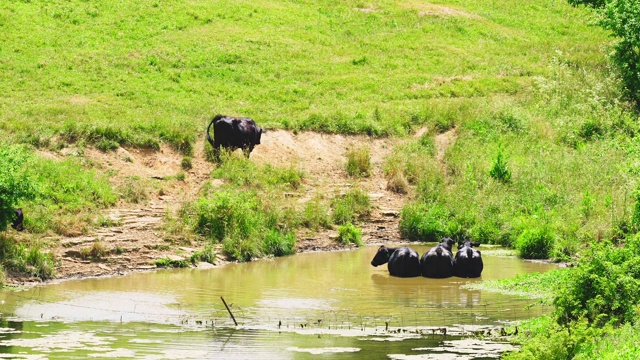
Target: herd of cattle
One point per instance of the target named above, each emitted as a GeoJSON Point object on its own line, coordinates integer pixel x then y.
{"type": "Point", "coordinates": [438, 262]}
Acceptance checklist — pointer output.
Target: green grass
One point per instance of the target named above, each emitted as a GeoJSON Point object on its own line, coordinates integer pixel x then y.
{"type": "Point", "coordinates": [155, 71]}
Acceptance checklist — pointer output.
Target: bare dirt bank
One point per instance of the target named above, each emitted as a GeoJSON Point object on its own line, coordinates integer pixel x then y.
{"type": "Point", "coordinates": [137, 234]}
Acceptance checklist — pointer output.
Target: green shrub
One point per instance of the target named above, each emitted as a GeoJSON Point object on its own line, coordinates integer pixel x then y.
{"type": "Point", "coordinates": [32, 261]}
{"type": "Point", "coordinates": [349, 234]}
{"type": "Point", "coordinates": [358, 162]}
{"type": "Point", "coordinates": [535, 243]}
{"type": "Point", "coordinates": [352, 206]}
{"type": "Point", "coordinates": [16, 183]}
{"type": "Point", "coordinates": [278, 244]}
{"type": "Point", "coordinates": [604, 287]}
{"type": "Point", "coordinates": [208, 254]}
{"type": "Point", "coordinates": [422, 222]}
{"type": "Point", "coordinates": [247, 226]}
{"type": "Point", "coordinates": [242, 248]}
{"type": "Point", "coordinates": [499, 171]}
{"type": "Point", "coordinates": [621, 18]}
{"type": "Point", "coordinates": [228, 214]}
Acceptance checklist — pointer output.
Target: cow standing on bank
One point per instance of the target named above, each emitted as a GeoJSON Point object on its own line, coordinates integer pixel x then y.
{"type": "Point", "coordinates": [233, 133]}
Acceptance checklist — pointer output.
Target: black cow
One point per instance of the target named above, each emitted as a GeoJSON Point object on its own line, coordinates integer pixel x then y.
{"type": "Point", "coordinates": [233, 133]}
{"type": "Point", "coordinates": [18, 220]}
{"type": "Point", "coordinates": [403, 261]}
{"type": "Point", "coordinates": [438, 262]}
{"type": "Point", "coordinates": [468, 262]}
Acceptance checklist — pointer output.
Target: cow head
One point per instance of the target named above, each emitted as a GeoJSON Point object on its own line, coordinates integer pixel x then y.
{"type": "Point", "coordinates": [382, 256]}
{"type": "Point", "coordinates": [467, 243]}
{"type": "Point", "coordinates": [447, 243]}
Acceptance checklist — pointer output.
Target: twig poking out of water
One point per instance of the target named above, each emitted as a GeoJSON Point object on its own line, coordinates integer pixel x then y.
{"type": "Point", "coordinates": [229, 310]}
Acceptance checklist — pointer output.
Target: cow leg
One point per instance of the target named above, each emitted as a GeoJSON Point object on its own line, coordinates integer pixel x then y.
{"type": "Point", "coordinates": [247, 150]}
{"type": "Point", "coordinates": [216, 151]}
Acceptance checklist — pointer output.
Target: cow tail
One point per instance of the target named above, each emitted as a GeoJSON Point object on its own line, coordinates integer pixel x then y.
{"type": "Point", "coordinates": [209, 139]}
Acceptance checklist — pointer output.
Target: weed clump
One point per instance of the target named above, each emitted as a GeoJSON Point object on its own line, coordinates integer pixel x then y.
{"type": "Point", "coordinates": [358, 162]}
{"type": "Point", "coordinates": [349, 234]}
{"type": "Point", "coordinates": [350, 207]}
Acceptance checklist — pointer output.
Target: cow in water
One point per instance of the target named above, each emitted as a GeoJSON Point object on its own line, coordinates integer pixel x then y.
{"type": "Point", "coordinates": [18, 219]}
{"type": "Point", "coordinates": [233, 133]}
{"type": "Point", "coordinates": [402, 262]}
{"type": "Point", "coordinates": [468, 261]}
{"type": "Point", "coordinates": [438, 262]}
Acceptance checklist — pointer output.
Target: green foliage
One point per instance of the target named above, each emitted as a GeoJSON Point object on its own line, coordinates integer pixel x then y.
{"type": "Point", "coordinates": [635, 216]}
{"type": "Point", "coordinates": [208, 254]}
{"type": "Point", "coordinates": [240, 171]}
{"type": "Point", "coordinates": [422, 222]}
{"type": "Point", "coordinates": [316, 214]}
{"type": "Point", "coordinates": [247, 226]}
{"type": "Point", "coordinates": [32, 261]}
{"type": "Point", "coordinates": [547, 340]}
{"type": "Point", "coordinates": [604, 287]}
{"type": "Point", "coordinates": [535, 242]}
{"type": "Point", "coordinates": [187, 163]}
{"type": "Point", "coordinates": [172, 263]}
{"type": "Point", "coordinates": [279, 244]}
{"type": "Point", "coordinates": [622, 18]}
{"type": "Point", "coordinates": [352, 206]}
{"type": "Point", "coordinates": [499, 171]}
{"type": "Point", "coordinates": [358, 162]}
{"type": "Point", "coordinates": [16, 184]}
{"type": "Point", "coordinates": [349, 234]}
{"type": "Point", "coordinates": [228, 214]}
{"type": "Point", "coordinates": [541, 285]}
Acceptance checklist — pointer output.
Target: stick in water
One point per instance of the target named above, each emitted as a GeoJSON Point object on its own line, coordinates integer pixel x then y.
{"type": "Point", "coordinates": [229, 310]}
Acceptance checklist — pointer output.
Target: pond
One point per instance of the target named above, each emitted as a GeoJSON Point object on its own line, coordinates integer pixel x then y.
{"type": "Point", "coordinates": [294, 307]}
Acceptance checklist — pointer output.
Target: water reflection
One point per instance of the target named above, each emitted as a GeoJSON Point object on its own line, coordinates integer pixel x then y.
{"type": "Point", "coordinates": [284, 289]}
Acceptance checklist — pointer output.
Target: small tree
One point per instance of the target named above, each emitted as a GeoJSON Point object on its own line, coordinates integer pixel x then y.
{"type": "Point", "coordinates": [622, 18]}
{"type": "Point", "coordinates": [15, 183]}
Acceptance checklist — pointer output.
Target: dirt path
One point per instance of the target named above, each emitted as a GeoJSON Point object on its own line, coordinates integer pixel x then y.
{"type": "Point", "coordinates": [137, 235]}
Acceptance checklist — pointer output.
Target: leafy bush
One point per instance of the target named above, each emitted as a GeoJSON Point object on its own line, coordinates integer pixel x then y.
{"type": "Point", "coordinates": [349, 234]}
{"type": "Point", "coordinates": [622, 17]}
{"type": "Point", "coordinates": [29, 260]}
{"type": "Point", "coordinates": [535, 243]}
{"type": "Point", "coordinates": [15, 182]}
{"type": "Point", "coordinates": [604, 287]}
{"type": "Point", "coordinates": [228, 214]}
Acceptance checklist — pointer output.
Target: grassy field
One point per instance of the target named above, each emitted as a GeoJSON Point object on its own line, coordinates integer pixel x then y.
{"type": "Point", "coordinates": [138, 73]}
{"type": "Point", "coordinates": [544, 156]}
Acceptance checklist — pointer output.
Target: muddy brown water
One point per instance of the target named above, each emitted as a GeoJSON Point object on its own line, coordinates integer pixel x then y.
{"type": "Point", "coordinates": [297, 307]}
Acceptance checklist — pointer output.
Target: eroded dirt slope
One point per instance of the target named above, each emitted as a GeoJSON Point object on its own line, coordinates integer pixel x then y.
{"type": "Point", "coordinates": [136, 236]}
